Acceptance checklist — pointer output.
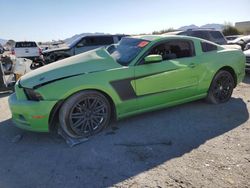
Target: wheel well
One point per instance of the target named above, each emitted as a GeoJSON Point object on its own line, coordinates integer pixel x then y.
{"type": "Point", "coordinates": [232, 72]}
{"type": "Point", "coordinates": [54, 114]}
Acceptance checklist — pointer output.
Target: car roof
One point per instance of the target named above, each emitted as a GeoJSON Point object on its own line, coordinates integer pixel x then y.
{"type": "Point", "coordinates": [163, 36]}
{"type": "Point", "coordinates": [173, 32]}
{"type": "Point", "coordinates": [72, 43]}
{"type": "Point", "coordinates": [25, 41]}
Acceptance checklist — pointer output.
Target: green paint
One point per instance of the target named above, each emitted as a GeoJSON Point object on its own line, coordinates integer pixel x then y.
{"type": "Point", "coordinates": [156, 85]}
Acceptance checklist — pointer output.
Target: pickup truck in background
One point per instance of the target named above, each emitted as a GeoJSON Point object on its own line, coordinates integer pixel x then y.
{"type": "Point", "coordinates": [29, 50]}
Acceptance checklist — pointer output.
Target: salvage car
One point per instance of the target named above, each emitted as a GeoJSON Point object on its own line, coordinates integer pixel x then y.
{"type": "Point", "coordinates": [141, 73]}
{"type": "Point", "coordinates": [80, 45]}
{"type": "Point", "coordinates": [241, 41]}
{"type": "Point", "coordinates": [232, 37]}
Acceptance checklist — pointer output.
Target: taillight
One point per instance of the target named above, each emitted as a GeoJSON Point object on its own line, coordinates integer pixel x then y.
{"type": "Point", "coordinates": [40, 51]}
{"type": "Point", "coordinates": [13, 52]}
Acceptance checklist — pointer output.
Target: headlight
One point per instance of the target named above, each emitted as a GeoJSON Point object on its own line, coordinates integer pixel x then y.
{"type": "Point", "coordinates": [32, 95]}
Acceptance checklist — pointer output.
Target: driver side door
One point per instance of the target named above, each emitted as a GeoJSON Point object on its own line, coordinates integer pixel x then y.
{"type": "Point", "coordinates": [172, 79]}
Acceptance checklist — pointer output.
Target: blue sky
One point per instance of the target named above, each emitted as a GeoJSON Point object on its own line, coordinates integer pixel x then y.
{"type": "Point", "coordinates": [43, 20]}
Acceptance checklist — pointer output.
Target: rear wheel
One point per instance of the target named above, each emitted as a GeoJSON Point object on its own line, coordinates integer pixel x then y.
{"type": "Point", "coordinates": [85, 114]}
{"type": "Point", "coordinates": [221, 88]}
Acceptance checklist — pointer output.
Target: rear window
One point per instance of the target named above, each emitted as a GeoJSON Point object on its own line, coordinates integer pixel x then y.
{"type": "Point", "coordinates": [25, 44]}
{"type": "Point", "coordinates": [208, 47]}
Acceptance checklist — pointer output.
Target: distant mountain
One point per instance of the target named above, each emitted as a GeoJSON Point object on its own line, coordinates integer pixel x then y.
{"type": "Point", "coordinates": [214, 26]}
{"type": "Point", "coordinates": [188, 27]}
{"type": "Point", "coordinates": [3, 41]}
{"type": "Point", "coordinates": [71, 39]}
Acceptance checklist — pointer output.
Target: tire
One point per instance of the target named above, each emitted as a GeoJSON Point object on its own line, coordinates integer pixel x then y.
{"type": "Point", "coordinates": [52, 57]}
{"type": "Point", "coordinates": [221, 88]}
{"type": "Point", "coordinates": [85, 114]}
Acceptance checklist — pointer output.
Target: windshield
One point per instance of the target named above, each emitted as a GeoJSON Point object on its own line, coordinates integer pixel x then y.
{"type": "Point", "coordinates": [127, 49]}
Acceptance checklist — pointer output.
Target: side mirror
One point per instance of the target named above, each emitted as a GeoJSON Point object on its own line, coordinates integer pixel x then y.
{"type": "Point", "coordinates": [153, 58]}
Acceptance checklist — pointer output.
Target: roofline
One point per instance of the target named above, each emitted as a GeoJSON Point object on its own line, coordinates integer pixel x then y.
{"type": "Point", "coordinates": [163, 36]}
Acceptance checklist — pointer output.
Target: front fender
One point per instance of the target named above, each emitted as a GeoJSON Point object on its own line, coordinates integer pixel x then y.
{"type": "Point", "coordinates": [64, 88]}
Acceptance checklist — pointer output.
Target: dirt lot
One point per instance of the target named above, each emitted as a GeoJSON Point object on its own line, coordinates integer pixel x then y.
{"type": "Point", "coordinates": [191, 145]}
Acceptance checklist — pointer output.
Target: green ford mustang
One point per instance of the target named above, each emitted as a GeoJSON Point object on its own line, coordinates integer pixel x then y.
{"type": "Point", "coordinates": [83, 93]}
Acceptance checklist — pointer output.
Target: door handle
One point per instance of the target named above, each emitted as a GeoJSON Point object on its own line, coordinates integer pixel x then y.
{"type": "Point", "coordinates": [191, 65]}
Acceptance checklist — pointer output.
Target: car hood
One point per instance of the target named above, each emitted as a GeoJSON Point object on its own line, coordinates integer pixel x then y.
{"type": "Point", "coordinates": [88, 62]}
{"type": "Point", "coordinates": [56, 49]}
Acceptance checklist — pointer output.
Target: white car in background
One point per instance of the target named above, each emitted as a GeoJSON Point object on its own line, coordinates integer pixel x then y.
{"type": "Point", "coordinates": [247, 54]}
{"type": "Point", "coordinates": [242, 41]}
{"type": "Point", "coordinates": [232, 37]}
{"type": "Point", "coordinates": [29, 50]}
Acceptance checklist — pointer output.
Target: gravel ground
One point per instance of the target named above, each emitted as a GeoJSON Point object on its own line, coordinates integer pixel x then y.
{"type": "Point", "coordinates": [191, 145]}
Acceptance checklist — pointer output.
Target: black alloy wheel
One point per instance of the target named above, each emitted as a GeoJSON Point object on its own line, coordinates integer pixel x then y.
{"type": "Point", "coordinates": [85, 114]}
{"type": "Point", "coordinates": [221, 88]}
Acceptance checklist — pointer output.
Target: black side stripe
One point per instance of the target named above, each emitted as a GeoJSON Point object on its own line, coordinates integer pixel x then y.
{"type": "Point", "coordinates": [124, 88]}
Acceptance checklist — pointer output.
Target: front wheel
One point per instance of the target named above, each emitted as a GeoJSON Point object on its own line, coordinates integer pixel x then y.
{"type": "Point", "coordinates": [221, 88]}
{"type": "Point", "coordinates": [85, 114]}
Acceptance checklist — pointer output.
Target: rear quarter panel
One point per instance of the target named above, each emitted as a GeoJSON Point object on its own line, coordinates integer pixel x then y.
{"type": "Point", "coordinates": [213, 61]}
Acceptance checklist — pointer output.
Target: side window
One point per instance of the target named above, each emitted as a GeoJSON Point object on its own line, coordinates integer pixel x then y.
{"type": "Point", "coordinates": [99, 40]}
{"type": "Point", "coordinates": [216, 34]}
{"type": "Point", "coordinates": [104, 40]}
{"type": "Point", "coordinates": [200, 34]}
{"type": "Point", "coordinates": [174, 49]}
{"type": "Point", "coordinates": [96, 41]}
{"type": "Point", "coordinates": [208, 47]}
{"type": "Point", "coordinates": [90, 41]}
{"type": "Point", "coordinates": [81, 43]}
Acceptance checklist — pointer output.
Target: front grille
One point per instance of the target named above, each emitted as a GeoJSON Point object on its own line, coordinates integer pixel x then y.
{"type": "Point", "coordinates": [248, 60]}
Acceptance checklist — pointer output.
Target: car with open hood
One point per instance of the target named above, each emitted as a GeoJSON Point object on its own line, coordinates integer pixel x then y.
{"type": "Point", "coordinates": [81, 44]}
{"type": "Point", "coordinates": [141, 73]}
